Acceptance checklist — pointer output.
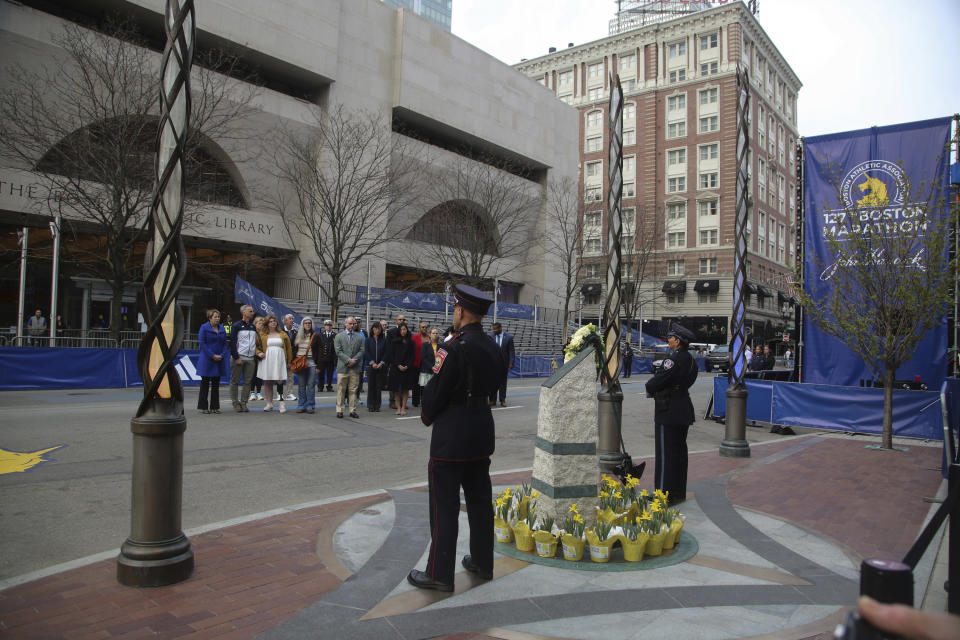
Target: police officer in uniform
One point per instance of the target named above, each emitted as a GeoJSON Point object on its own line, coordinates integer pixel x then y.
{"type": "Point", "coordinates": [468, 369]}
{"type": "Point", "coordinates": [673, 414]}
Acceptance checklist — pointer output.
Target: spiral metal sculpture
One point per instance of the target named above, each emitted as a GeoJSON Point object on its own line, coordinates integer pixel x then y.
{"type": "Point", "coordinates": [734, 444]}
{"type": "Point", "coordinates": [610, 373]}
{"type": "Point", "coordinates": [157, 552]}
{"type": "Point", "coordinates": [610, 398]}
{"type": "Point", "coordinates": [165, 265]}
{"type": "Point", "coordinates": [740, 234]}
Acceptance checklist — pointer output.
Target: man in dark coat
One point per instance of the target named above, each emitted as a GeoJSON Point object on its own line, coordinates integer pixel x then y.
{"type": "Point", "coordinates": [673, 414]}
{"type": "Point", "coordinates": [627, 359]}
{"type": "Point", "coordinates": [328, 357]}
{"type": "Point", "coordinates": [468, 369]}
{"type": "Point", "coordinates": [504, 342]}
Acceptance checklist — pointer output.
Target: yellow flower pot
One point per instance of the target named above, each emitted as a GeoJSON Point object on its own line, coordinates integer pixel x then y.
{"type": "Point", "coordinates": [633, 549]}
{"type": "Point", "coordinates": [572, 547]}
{"type": "Point", "coordinates": [502, 530]}
{"type": "Point", "coordinates": [599, 550]}
{"type": "Point", "coordinates": [673, 535]}
{"type": "Point", "coordinates": [655, 544]}
{"type": "Point", "coordinates": [523, 536]}
{"type": "Point", "coordinates": [608, 516]}
{"type": "Point", "coordinates": [545, 543]}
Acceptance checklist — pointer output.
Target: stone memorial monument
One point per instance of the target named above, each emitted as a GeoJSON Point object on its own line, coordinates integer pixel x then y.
{"type": "Point", "coordinates": [565, 463]}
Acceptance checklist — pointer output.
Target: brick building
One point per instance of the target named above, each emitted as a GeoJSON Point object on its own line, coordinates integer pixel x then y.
{"type": "Point", "coordinates": [679, 169]}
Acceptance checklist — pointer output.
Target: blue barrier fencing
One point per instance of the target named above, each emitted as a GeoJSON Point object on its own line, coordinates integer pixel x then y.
{"type": "Point", "coordinates": [26, 368]}
{"type": "Point", "coordinates": [916, 414]}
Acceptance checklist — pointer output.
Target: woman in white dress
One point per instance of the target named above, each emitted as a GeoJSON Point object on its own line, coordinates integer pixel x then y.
{"type": "Point", "coordinates": [275, 353]}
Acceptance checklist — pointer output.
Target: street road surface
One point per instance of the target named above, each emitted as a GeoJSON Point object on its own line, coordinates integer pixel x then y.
{"type": "Point", "coordinates": [236, 465]}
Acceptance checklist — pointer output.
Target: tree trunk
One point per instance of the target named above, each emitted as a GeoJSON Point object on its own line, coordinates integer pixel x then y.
{"type": "Point", "coordinates": [335, 301]}
{"type": "Point", "coordinates": [566, 322]}
{"type": "Point", "coordinates": [116, 302]}
{"type": "Point", "coordinates": [887, 436]}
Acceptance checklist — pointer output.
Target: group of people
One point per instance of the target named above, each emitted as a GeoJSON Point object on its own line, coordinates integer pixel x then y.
{"type": "Point", "coordinates": [761, 359]}
{"type": "Point", "coordinates": [262, 357]}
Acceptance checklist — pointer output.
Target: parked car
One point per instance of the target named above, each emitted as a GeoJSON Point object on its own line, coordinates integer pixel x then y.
{"type": "Point", "coordinates": [718, 358]}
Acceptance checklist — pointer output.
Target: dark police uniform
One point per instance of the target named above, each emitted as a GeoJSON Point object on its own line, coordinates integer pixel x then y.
{"type": "Point", "coordinates": [468, 369]}
{"type": "Point", "coordinates": [672, 417]}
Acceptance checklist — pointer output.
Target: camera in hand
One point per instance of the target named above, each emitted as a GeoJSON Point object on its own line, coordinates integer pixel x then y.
{"type": "Point", "coordinates": [886, 581]}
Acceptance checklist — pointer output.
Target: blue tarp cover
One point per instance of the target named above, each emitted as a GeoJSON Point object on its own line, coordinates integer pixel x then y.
{"type": "Point", "coordinates": [916, 414]}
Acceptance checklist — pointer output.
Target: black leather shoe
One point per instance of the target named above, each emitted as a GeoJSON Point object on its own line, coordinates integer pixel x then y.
{"type": "Point", "coordinates": [472, 567]}
{"type": "Point", "coordinates": [423, 581]}
{"type": "Point", "coordinates": [339, 414]}
{"type": "Point", "coordinates": [354, 414]}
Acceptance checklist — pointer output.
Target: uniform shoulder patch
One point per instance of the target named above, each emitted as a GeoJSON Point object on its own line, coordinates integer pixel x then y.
{"type": "Point", "coordinates": [438, 360]}
{"type": "Point", "coordinates": [668, 363]}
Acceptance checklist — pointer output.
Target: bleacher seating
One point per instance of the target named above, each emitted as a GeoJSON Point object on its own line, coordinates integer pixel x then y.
{"type": "Point", "coordinates": [544, 338]}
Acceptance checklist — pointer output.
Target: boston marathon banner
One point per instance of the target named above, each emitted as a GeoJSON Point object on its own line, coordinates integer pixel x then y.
{"type": "Point", "coordinates": [262, 304]}
{"type": "Point", "coordinates": [865, 164]}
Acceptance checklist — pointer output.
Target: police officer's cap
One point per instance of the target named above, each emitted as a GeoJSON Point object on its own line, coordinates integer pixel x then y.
{"type": "Point", "coordinates": [471, 299]}
{"type": "Point", "coordinates": [681, 333]}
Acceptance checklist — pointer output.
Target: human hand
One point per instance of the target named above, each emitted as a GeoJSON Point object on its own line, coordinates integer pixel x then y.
{"type": "Point", "coordinates": [909, 622]}
{"type": "Point", "coordinates": [261, 355]}
{"type": "Point", "coordinates": [217, 358]}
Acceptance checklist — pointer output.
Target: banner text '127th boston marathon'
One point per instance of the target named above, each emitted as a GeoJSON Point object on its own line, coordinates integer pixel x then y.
{"type": "Point", "coordinates": [867, 168]}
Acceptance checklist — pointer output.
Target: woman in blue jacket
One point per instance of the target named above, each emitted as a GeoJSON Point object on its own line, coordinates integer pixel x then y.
{"type": "Point", "coordinates": [214, 362]}
{"type": "Point", "coordinates": [375, 354]}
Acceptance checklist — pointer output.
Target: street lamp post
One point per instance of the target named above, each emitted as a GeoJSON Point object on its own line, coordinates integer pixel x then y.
{"type": "Point", "coordinates": [157, 552]}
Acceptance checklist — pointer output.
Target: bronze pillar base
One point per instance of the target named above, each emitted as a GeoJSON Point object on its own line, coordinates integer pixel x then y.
{"type": "Point", "coordinates": [610, 413]}
{"type": "Point", "coordinates": [734, 443]}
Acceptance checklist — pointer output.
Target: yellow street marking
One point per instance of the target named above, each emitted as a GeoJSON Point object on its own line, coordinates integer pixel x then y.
{"type": "Point", "coordinates": [17, 462]}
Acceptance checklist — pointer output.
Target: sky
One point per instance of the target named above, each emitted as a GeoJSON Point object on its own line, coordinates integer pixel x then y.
{"type": "Point", "coordinates": [862, 63]}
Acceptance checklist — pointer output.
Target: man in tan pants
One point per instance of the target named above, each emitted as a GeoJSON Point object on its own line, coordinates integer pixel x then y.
{"type": "Point", "coordinates": [348, 346]}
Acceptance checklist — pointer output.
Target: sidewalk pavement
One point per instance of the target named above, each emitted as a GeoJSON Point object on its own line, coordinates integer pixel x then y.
{"type": "Point", "coordinates": [778, 541]}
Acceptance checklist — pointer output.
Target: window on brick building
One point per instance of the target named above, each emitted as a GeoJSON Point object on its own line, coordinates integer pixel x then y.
{"type": "Point", "coordinates": [676, 185]}
{"type": "Point", "coordinates": [709, 124]}
{"type": "Point", "coordinates": [709, 180]}
{"type": "Point", "coordinates": [676, 239]}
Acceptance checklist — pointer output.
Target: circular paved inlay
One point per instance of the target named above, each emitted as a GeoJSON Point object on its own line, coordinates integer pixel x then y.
{"type": "Point", "coordinates": [685, 548]}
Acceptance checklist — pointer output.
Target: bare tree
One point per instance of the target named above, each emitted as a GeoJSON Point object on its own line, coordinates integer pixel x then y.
{"type": "Point", "coordinates": [640, 262]}
{"type": "Point", "coordinates": [891, 274]}
{"type": "Point", "coordinates": [480, 229]}
{"type": "Point", "coordinates": [87, 128]}
{"type": "Point", "coordinates": [342, 181]}
{"type": "Point", "coordinates": [562, 241]}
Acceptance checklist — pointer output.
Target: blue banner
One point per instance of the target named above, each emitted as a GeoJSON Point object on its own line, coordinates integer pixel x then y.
{"type": "Point", "coordinates": [380, 297]}
{"type": "Point", "coordinates": [262, 304]}
{"type": "Point", "coordinates": [862, 165]}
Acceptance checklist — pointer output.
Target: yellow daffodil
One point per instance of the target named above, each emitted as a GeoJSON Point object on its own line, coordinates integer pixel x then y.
{"type": "Point", "coordinates": [604, 494]}
{"type": "Point", "coordinates": [618, 495]}
{"type": "Point", "coordinates": [536, 494]}
{"type": "Point", "coordinates": [573, 508]}
{"type": "Point", "coordinates": [643, 493]}
{"type": "Point", "coordinates": [578, 518]}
